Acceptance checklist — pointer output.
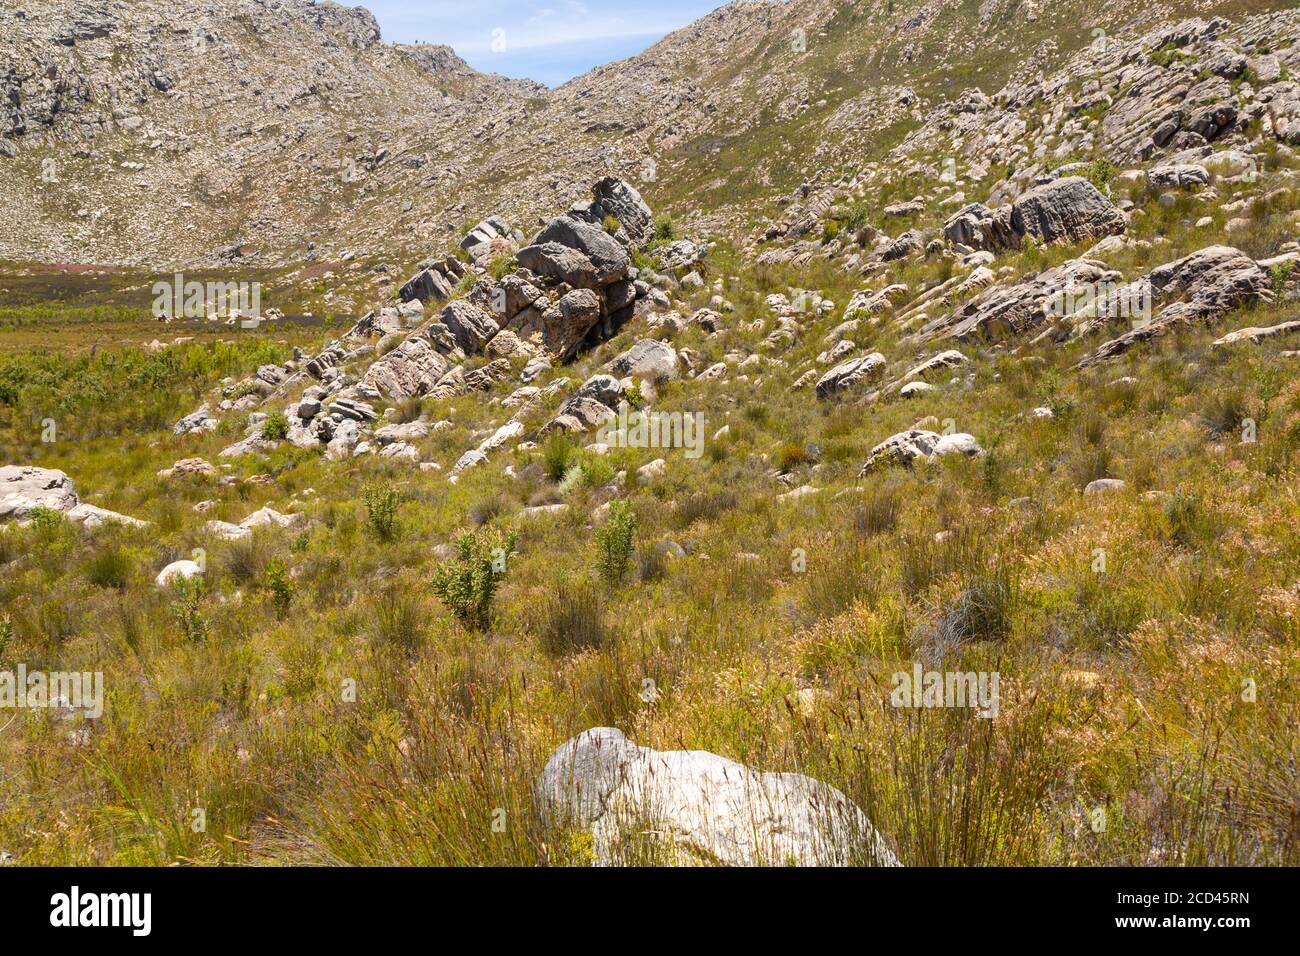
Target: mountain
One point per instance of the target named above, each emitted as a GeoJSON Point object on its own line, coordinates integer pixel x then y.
{"type": "Point", "coordinates": [135, 134]}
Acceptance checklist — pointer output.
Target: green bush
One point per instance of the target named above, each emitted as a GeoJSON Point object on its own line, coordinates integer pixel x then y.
{"type": "Point", "coordinates": [276, 426]}
{"type": "Point", "coordinates": [558, 456]}
{"type": "Point", "coordinates": [187, 609]}
{"type": "Point", "coordinates": [281, 586]}
{"type": "Point", "coordinates": [665, 230]}
{"type": "Point", "coordinates": [468, 584]}
{"type": "Point", "coordinates": [614, 541]}
{"type": "Point", "coordinates": [381, 511]}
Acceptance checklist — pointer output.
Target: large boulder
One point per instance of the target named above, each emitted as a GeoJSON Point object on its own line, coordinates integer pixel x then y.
{"type": "Point", "coordinates": [24, 488]}
{"type": "Point", "coordinates": [595, 402]}
{"type": "Point", "coordinates": [425, 286]}
{"type": "Point", "coordinates": [411, 369]}
{"type": "Point", "coordinates": [559, 262]}
{"type": "Point", "coordinates": [1069, 209]}
{"type": "Point", "coordinates": [850, 375]}
{"type": "Point", "coordinates": [700, 808]}
{"type": "Point", "coordinates": [561, 326]}
{"type": "Point", "coordinates": [469, 325]}
{"type": "Point", "coordinates": [606, 255]}
{"type": "Point", "coordinates": [646, 359]}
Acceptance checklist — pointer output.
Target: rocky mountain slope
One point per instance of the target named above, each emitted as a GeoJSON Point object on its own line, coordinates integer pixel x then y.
{"type": "Point", "coordinates": [258, 131]}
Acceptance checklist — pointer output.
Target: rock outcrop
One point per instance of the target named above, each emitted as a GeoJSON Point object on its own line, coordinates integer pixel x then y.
{"type": "Point", "coordinates": [701, 808]}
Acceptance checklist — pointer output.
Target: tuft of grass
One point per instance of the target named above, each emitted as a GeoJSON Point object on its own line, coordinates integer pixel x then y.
{"type": "Point", "coordinates": [571, 619]}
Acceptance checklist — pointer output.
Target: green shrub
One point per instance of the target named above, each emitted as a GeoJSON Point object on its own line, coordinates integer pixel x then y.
{"type": "Point", "coordinates": [558, 456]}
{"type": "Point", "coordinates": [612, 225]}
{"type": "Point", "coordinates": [1100, 172]}
{"type": "Point", "coordinates": [276, 426]}
{"type": "Point", "coordinates": [281, 586]}
{"type": "Point", "coordinates": [467, 585]}
{"type": "Point", "coordinates": [614, 541]}
{"type": "Point", "coordinates": [46, 523]}
{"type": "Point", "coordinates": [502, 266]}
{"type": "Point", "coordinates": [187, 609]}
{"type": "Point", "coordinates": [381, 511]}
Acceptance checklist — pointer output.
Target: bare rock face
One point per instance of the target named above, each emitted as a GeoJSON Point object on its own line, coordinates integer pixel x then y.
{"type": "Point", "coordinates": [1182, 175]}
{"type": "Point", "coordinates": [1064, 210]}
{"type": "Point", "coordinates": [435, 283]}
{"type": "Point", "coordinates": [1255, 334]}
{"type": "Point", "coordinates": [411, 369]}
{"type": "Point", "coordinates": [560, 263]}
{"type": "Point", "coordinates": [647, 359]}
{"type": "Point", "coordinates": [1016, 309]}
{"type": "Point", "coordinates": [850, 375]}
{"type": "Point", "coordinates": [558, 327]}
{"type": "Point", "coordinates": [703, 808]}
{"type": "Point", "coordinates": [490, 237]}
{"type": "Point", "coordinates": [614, 197]}
{"type": "Point", "coordinates": [1195, 289]}
{"type": "Point", "coordinates": [469, 325]}
{"type": "Point", "coordinates": [26, 488]}
{"type": "Point", "coordinates": [588, 407]}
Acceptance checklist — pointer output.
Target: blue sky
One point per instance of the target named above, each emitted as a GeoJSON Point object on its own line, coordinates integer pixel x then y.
{"type": "Point", "coordinates": [545, 40]}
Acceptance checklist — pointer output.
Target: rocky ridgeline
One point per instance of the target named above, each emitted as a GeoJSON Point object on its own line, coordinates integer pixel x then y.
{"type": "Point", "coordinates": [572, 285]}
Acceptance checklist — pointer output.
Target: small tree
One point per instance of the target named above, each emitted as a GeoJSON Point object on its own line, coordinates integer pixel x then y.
{"type": "Point", "coordinates": [467, 585]}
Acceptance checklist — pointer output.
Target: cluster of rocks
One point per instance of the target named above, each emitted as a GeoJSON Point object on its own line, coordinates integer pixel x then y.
{"type": "Point", "coordinates": [25, 489]}
{"type": "Point", "coordinates": [1196, 289]}
{"type": "Point", "coordinates": [574, 284]}
{"type": "Point", "coordinates": [917, 444]}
